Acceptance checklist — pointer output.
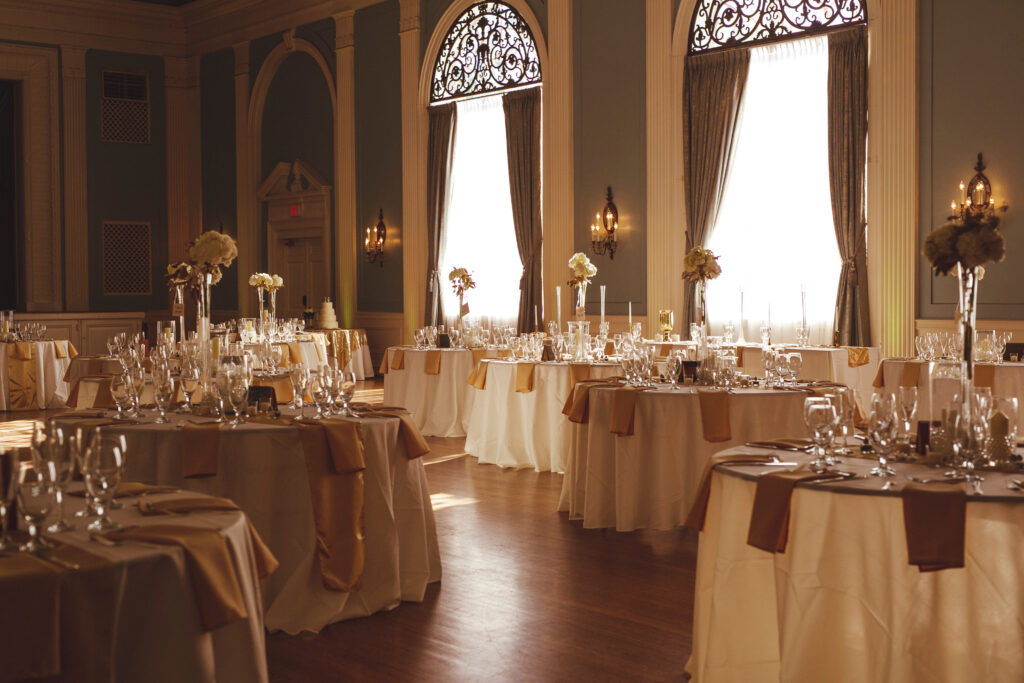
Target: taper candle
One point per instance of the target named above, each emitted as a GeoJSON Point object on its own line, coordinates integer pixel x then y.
{"type": "Point", "coordinates": [602, 304]}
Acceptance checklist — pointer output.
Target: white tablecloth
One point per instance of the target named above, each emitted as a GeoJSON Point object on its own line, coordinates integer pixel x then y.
{"type": "Point", "coordinates": [362, 363]}
{"type": "Point", "coordinates": [511, 429]}
{"type": "Point", "coordinates": [158, 631]}
{"type": "Point", "coordinates": [440, 404]}
{"type": "Point", "coordinates": [649, 479]}
{"type": "Point", "coordinates": [842, 603]}
{"type": "Point", "coordinates": [1008, 381]}
{"type": "Point", "coordinates": [262, 469]}
{"type": "Point", "coordinates": [825, 363]}
{"type": "Point", "coordinates": [51, 389]}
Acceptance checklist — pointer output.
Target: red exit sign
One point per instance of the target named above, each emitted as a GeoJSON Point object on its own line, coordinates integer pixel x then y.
{"type": "Point", "coordinates": [294, 211]}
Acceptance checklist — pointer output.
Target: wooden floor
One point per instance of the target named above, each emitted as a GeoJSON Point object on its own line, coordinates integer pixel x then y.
{"type": "Point", "coordinates": [526, 595]}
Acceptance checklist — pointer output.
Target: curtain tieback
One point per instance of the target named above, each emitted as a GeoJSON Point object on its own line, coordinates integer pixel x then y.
{"type": "Point", "coordinates": [528, 264]}
{"type": "Point", "coordinates": [851, 273]}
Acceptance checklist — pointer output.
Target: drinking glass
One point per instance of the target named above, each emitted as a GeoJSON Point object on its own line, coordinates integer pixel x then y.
{"type": "Point", "coordinates": [906, 411]}
{"type": "Point", "coordinates": [120, 391]}
{"type": "Point", "coordinates": [845, 402]}
{"type": "Point", "coordinates": [137, 375]}
{"type": "Point", "coordinates": [820, 418]}
{"type": "Point", "coordinates": [35, 500]}
{"type": "Point", "coordinates": [104, 464]}
{"type": "Point", "coordinates": [320, 389]}
{"type": "Point", "coordinates": [8, 488]}
{"type": "Point", "coordinates": [882, 431]}
{"type": "Point", "coordinates": [672, 366]}
{"type": "Point", "coordinates": [189, 380]}
{"type": "Point", "coordinates": [56, 455]}
{"type": "Point", "coordinates": [418, 336]}
{"type": "Point", "coordinates": [298, 375]}
{"type": "Point", "coordinates": [729, 332]}
{"type": "Point", "coordinates": [347, 386]}
{"type": "Point", "coordinates": [794, 361]}
{"type": "Point", "coordinates": [165, 332]}
{"type": "Point", "coordinates": [636, 330]}
{"type": "Point", "coordinates": [238, 395]}
{"type": "Point", "coordinates": [163, 391]}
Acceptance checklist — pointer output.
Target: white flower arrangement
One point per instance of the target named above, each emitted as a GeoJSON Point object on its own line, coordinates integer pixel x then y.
{"type": "Point", "coordinates": [266, 281]}
{"type": "Point", "coordinates": [213, 249]}
{"type": "Point", "coordinates": [701, 265]}
{"type": "Point", "coordinates": [582, 269]}
{"type": "Point", "coordinates": [277, 282]}
{"type": "Point", "coordinates": [461, 281]}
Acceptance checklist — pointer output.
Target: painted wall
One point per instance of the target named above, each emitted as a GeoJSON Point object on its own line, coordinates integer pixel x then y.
{"type": "Point", "coordinates": [971, 96]}
{"type": "Point", "coordinates": [217, 111]}
{"type": "Point", "coordinates": [127, 182]}
{"type": "Point", "coordinates": [610, 140]}
{"type": "Point", "coordinates": [379, 152]}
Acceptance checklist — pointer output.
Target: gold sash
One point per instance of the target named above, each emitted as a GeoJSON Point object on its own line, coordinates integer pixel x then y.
{"type": "Point", "coordinates": [857, 356]}
{"type": "Point", "coordinates": [432, 366]}
{"type": "Point", "coordinates": [714, 416]}
{"type": "Point", "coordinates": [524, 377]}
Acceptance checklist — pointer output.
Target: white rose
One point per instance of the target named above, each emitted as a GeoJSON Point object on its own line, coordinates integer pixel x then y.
{"type": "Point", "coordinates": [254, 280]}
{"type": "Point", "coordinates": [278, 281]}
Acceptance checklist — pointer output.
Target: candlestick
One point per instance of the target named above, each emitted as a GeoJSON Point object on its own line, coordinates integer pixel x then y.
{"type": "Point", "coordinates": [803, 304]}
{"type": "Point", "coordinates": [536, 325]}
{"type": "Point", "coordinates": [630, 315]}
{"type": "Point", "coordinates": [558, 306]}
{"type": "Point", "coordinates": [742, 336]}
{"type": "Point", "coordinates": [602, 304]}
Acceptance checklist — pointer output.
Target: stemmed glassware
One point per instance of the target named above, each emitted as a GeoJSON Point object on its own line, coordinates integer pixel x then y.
{"type": "Point", "coordinates": [820, 418]}
{"type": "Point", "coordinates": [56, 454]}
{"type": "Point", "coordinates": [882, 431]}
{"type": "Point", "coordinates": [8, 489]}
{"type": "Point", "coordinates": [163, 391]}
{"type": "Point", "coordinates": [320, 390]}
{"type": "Point", "coordinates": [35, 500]}
{"type": "Point", "coordinates": [137, 375]}
{"type": "Point", "coordinates": [345, 382]}
{"type": "Point", "coordinates": [906, 411]}
{"type": "Point", "coordinates": [189, 379]}
{"type": "Point", "coordinates": [238, 394]}
{"type": "Point", "coordinates": [298, 375]}
{"type": "Point", "coordinates": [104, 464]}
{"type": "Point", "coordinates": [844, 401]}
{"type": "Point", "coordinates": [120, 391]}
{"type": "Point", "coordinates": [672, 366]}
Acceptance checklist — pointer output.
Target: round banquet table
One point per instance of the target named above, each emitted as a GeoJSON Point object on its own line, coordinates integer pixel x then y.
{"type": "Point", "coordinates": [139, 609]}
{"type": "Point", "coordinates": [827, 363]}
{"type": "Point", "coordinates": [513, 429]}
{"type": "Point", "coordinates": [49, 362]}
{"type": "Point", "coordinates": [842, 603]}
{"type": "Point", "coordinates": [263, 469]}
{"type": "Point", "coordinates": [1007, 379]}
{"type": "Point", "coordinates": [648, 480]}
{"type": "Point", "coordinates": [440, 404]}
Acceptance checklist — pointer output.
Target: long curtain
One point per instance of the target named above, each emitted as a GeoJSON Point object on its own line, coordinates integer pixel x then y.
{"type": "Point", "coordinates": [439, 162]}
{"type": "Point", "coordinates": [522, 139]}
{"type": "Point", "coordinates": [847, 150]}
{"type": "Point", "coordinates": [713, 93]}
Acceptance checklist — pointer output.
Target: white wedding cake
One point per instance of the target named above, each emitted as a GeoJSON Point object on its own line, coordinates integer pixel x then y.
{"type": "Point", "coordinates": [326, 319]}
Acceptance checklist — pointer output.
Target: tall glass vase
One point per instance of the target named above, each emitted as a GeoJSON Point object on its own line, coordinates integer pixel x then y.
{"type": "Point", "coordinates": [178, 309]}
{"type": "Point", "coordinates": [203, 306]}
{"type": "Point", "coordinates": [700, 294]}
{"type": "Point", "coordinates": [272, 315]}
{"type": "Point", "coordinates": [968, 281]}
{"type": "Point", "coordinates": [263, 312]}
{"type": "Point", "coordinates": [581, 300]}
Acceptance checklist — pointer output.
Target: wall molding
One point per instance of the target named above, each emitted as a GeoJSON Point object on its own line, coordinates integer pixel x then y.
{"type": "Point", "coordinates": [35, 68]}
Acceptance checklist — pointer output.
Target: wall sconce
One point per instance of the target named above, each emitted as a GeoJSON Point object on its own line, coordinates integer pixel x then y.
{"type": "Point", "coordinates": [375, 237]}
{"type": "Point", "coordinates": [605, 243]}
{"type": "Point", "coordinates": [977, 205]}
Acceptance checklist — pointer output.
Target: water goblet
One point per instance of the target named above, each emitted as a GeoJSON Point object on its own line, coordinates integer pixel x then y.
{"type": "Point", "coordinates": [673, 364]}
{"type": "Point", "coordinates": [320, 390]}
{"type": "Point", "coordinates": [882, 431]}
{"type": "Point", "coordinates": [820, 418]}
{"type": "Point", "coordinates": [189, 380]}
{"type": "Point", "coordinates": [35, 500]}
{"type": "Point", "coordinates": [8, 490]}
{"type": "Point", "coordinates": [347, 390]}
{"type": "Point", "coordinates": [104, 464]}
{"type": "Point", "coordinates": [238, 395]}
{"type": "Point", "coordinates": [120, 392]}
{"type": "Point", "coordinates": [298, 375]}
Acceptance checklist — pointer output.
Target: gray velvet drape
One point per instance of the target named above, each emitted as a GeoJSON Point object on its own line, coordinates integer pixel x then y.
{"type": "Point", "coordinates": [847, 150]}
{"type": "Point", "coordinates": [713, 94]}
{"type": "Point", "coordinates": [439, 164]}
{"type": "Point", "coordinates": [522, 136]}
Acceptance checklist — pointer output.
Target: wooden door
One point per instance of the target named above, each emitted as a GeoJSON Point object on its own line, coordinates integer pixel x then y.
{"type": "Point", "coordinates": [302, 261]}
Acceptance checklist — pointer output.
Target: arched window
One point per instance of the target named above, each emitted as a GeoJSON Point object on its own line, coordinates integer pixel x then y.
{"type": "Point", "coordinates": [488, 49]}
{"type": "Point", "coordinates": [485, 226]}
{"type": "Point", "coordinates": [727, 23]}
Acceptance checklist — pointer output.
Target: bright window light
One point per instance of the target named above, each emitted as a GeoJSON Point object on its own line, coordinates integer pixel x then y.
{"type": "Point", "coordinates": [775, 233]}
{"type": "Point", "coordinates": [478, 233]}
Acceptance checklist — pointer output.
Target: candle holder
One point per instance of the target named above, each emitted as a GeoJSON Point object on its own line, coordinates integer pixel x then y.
{"type": "Point", "coordinates": [666, 323]}
{"type": "Point", "coordinates": [608, 219]}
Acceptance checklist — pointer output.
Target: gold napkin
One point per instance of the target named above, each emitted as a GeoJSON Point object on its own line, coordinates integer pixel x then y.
{"type": "Point", "coordinates": [282, 387]}
{"type": "Point", "coordinates": [398, 360]}
{"type": "Point", "coordinates": [934, 517]}
{"type": "Point", "coordinates": [857, 356]}
{"type": "Point", "coordinates": [383, 369]}
{"type": "Point", "coordinates": [609, 348]}
{"type": "Point", "coordinates": [266, 563]}
{"type": "Point", "coordinates": [345, 443]}
{"type": "Point", "coordinates": [478, 378]}
{"type": "Point", "coordinates": [72, 351]}
{"type": "Point", "coordinates": [577, 405]}
{"type": "Point", "coordinates": [415, 445]}
{"type": "Point", "coordinates": [478, 355]}
{"type": "Point", "coordinates": [214, 581]}
{"type": "Point", "coordinates": [699, 510]}
{"type": "Point", "coordinates": [294, 352]}
{"type": "Point", "coordinates": [578, 372]}
{"type": "Point", "coordinates": [129, 489]}
{"type": "Point", "coordinates": [504, 353]}
{"type": "Point", "coordinates": [59, 349]}
{"type": "Point", "coordinates": [985, 375]}
{"type": "Point", "coordinates": [624, 410]}
{"type": "Point", "coordinates": [909, 376]}
{"type": "Point", "coordinates": [337, 510]}
{"type": "Point", "coordinates": [93, 414]}
{"type": "Point", "coordinates": [714, 415]}
{"type": "Point", "coordinates": [21, 376]}
{"type": "Point", "coordinates": [524, 377]}
{"type": "Point", "coordinates": [200, 450]}
{"type": "Point", "coordinates": [769, 519]}
{"type": "Point", "coordinates": [665, 350]}
{"type": "Point", "coordinates": [785, 444]}
{"type": "Point", "coordinates": [432, 366]}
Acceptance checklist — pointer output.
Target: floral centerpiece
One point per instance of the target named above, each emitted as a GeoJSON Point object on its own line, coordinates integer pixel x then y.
{"type": "Point", "coordinates": [208, 254]}
{"type": "Point", "coordinates": [699, 266]}
{"type": "Point", "coordinates": [177, 277]}
{"type": "Point", "coordinates": [462, 281]}
{"type": "Point", "coordinates": [582, 270]}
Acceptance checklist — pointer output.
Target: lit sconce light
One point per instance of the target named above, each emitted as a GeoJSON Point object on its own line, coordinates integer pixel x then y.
{"type": "Point", "coordinates": [977, 205]}
{"type": "Point", "coordinates": [608, 220]}
{"type": "Point", "coordinates": [375, 236]}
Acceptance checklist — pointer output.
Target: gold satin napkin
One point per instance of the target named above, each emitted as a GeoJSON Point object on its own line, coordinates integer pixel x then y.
{"type": "Point", "coordinates": [282, 387]}
{"type": "Point", "coordinates": [294, 352]}
{"type": "Point", "coordinates": [714, 416]}
{"type": "Point", "coordinates": [345, 443]}
{"type": "Point", "coordinates": [577, 405]}
{"type": "Point", "coordinates": [769, 519]}
{"type": "Point", "coordinates": [609, 348]}
{"type": "Point", "coordinates": [133, 489]}
{"type": "Point", "coordinates": [578, 372]}
{"type": "Point", "coordinates": [266, 563]}
{"type": "Point", "coordinates": [784, 444]}
{"type": "Point", "coordinates": [985, 375]}
{"type": "Point", "coordinates": [524, 377]}
{"type": "Point", "coordinates": [934, 518]}
{"type": "Point", "coordinates": [71, 414]}
{"type": "Point", "coordinates": [857, 356]}
{"type": "Point", "coordinates": [432, 366]}
{"type": "Point", "coordinates": [72, 351]}
{"type": "Point", "coordinates": [415, 445]}
{"type": "Point", "coordinates": [398, 360]}
{"type": "Point", "coordinates": [478, 378]}
{"type": "Point", "coordinates": [337, 498]}
{"type": "Point", "coordinates": [478, 355]}
{"type": "Point", "coordinates": [59, 349]}
{"type": "Point", "coordinates": [624, 410]}
{"type": "Point", "coordinates": [699, 509]}
{"type": "Point", "coordinates": [909, 376]}
{"type": "Point", "coordinates": [21, 376]}
{"type": "Point", "coordinates": [504, 353]}
{"type": "Point", "coordinates": [200, 450]}
{"type": "Point", "coordinates": [383, 369]}
{"type": "Point", "coordinates": [215, 584]}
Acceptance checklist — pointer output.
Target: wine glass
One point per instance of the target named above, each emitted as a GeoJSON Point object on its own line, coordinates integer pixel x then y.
{"type": "Point", "coordinates": [57, 456]}
{"type": "Point", "coordinates": [189, 379]}
{"type": "Point", "coordinates": [238, 395]}
{"type": "Point", "coordinates": [104, 464]}
{"type": "Point", "coordinates": [163, 392]}
{"type": "Point", "coordinates": [35, 500]}
{"type": "Point", "coordinates": [882, 431]}
{"type": "Point", "coordinates": [672, 366]}
{"type": "Point", "coordinates": [137, 376]}
{"type": "Point", "coordinates": [8, 489]}
{"type": "Point", "coordinates": [820, 418]}
{"type": "Point", "coordinates": [845, 403]}
{"type": "Point", "coordinates": [320, 390]}
{"type": "Point", "coordinates": [794, 361]}
{"type": "Point", "coordinates": [298, 375]}
{"type": "Point", "coordinates": [906, 410]}
{"type": "Point", "coordinates": [120, 392]}
{"type": "Point", "coordinates": [346, 390]}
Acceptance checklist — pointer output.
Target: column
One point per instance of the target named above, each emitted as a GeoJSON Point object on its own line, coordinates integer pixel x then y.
{"type": "Point", "coordinates": [246, 183]}
{"type": "Point", "coordinates": [414, 175]}
{"type": "Point", "coordinates": [345, 241]}
{"type": "Point", "coordinates": [184, 155]}
{"type": "Point", "coordinates": [76, 205]}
